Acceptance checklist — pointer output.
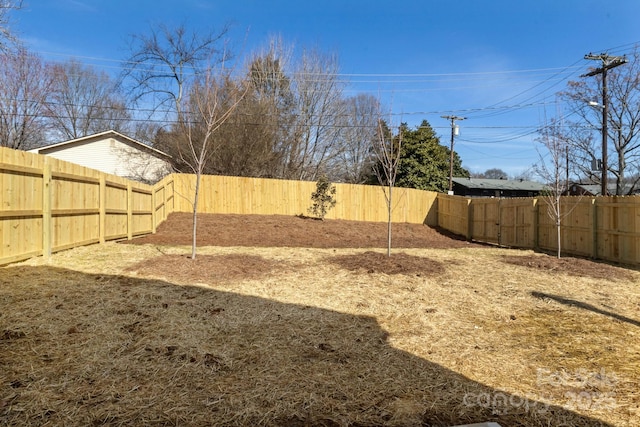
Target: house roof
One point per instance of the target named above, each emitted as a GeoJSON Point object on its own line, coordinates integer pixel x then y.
{"type": "Point", "coordinates": [107, 134]}
{"type": "Point", "coordinates": [594, 189]}
{"type": "Point", "coordinates": [498, 184]}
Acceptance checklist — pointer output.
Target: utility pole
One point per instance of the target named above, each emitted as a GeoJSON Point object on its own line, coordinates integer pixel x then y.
{"type": "Point", "coordinates": [608, 62]}
{"type": "Point", "coordinates": [454, 132]}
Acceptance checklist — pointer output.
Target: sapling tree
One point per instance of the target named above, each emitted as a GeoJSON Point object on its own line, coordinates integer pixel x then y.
{"type": "Point", "coordinates": [553, 168]}
{"type": "Point", "coordinates": [185, 73]}
{"type": "Point", "coordinates": [323, 198]}
{"type": "Point", "coordinates": [212, 100]}
{"type": "Point", "coordinates": [387, 149]}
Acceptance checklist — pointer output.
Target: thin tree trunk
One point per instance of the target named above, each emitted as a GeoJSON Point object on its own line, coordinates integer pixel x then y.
{"type": "Point", "coordinates": [389, 205]}
{"type": "Point", "coordinates": [195, 217]}
{"type": "Point", "coordinates": [558, 223]}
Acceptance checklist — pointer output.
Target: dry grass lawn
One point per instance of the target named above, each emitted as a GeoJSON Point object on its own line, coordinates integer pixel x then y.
{"type": "Point", "coordinates": [140, 335]}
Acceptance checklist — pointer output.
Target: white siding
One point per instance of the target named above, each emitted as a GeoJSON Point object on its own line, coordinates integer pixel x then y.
{"type": "Point", "coordinates": [112, 156]}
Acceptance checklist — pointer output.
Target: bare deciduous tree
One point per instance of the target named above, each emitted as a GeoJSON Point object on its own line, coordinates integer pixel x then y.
{"type": "Point", "coordinates": [623, 125]}
{"type": "Point", "coordinates": [84, 101]}
{"type": "Point", "coordinates": [164, 66]}
{"type": "Point", "coordinates": [163, 62]}
{"type": "Point", "coordinates": [24, 87]}
{"type": "Point", "coordinates": [359, 130]}
{"type": "Point", "coordinates": [7, 36]}
{"type": "Point", "coordinates": [318, 104]}
{"type": "Point", "coordinates": [387, 149]}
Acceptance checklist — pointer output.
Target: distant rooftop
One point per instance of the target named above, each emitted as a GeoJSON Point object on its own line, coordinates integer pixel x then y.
{"type": "Point", "coordinates": [594, 189]}
{"type": "Point", "coordinates": [499, 184]}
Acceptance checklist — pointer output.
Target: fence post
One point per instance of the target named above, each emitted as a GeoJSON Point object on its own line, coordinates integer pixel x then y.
{"type": "Point", "coordinates": [129, 212]}
{"type": "Point", "coordinates": [536, 224]}
{"type": "Point", "coordinates": [153, 209]}
{"type": "Point", "coordinates": [500, 221]}
{"type": "Point", "coordinates": [46, 209]}
{"type": "Point", "coordinates": [102, 208]}
{"type": "Point", "coordinates": [594, 227]}
{"type": "Point", "coordinates": [469, 220]}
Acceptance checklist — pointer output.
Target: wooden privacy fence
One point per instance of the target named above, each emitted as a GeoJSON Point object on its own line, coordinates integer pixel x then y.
{"type": "Point", "coordinates": [239, 195]}
{"type": "Point", "coordinates": [49, 205]}
{"type": "Point", "coordinates": [605, 228]}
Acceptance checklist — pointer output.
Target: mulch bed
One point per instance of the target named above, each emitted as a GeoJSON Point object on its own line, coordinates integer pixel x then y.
{"type": "Point", "coordinates": [577, 267]}
{"type": "Point", "coordinates": [294, 231]}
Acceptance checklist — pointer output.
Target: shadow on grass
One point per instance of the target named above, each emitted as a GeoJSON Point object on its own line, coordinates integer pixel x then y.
{"type": "Point", "coordinates": [583, 305]}
{"type": "Point", "coordinates": [85, 349]}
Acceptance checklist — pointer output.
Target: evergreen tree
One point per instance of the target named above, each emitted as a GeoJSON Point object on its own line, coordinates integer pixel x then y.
{"type": "Point", "coordinates": [424, 162]}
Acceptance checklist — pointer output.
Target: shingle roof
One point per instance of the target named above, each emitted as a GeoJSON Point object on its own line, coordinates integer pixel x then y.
{"type": "Point", "coordinates": [498, 184]}
{"type": "Point", "coordinates": [594, 189]}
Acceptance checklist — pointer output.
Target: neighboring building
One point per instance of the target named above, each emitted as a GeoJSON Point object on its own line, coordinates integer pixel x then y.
{"type": "Point", "coordinates": [577, 189]}
{"type": "Point", "coordinates": [113, 153]}
{"type": "Point", "coordinates": [478, 187]}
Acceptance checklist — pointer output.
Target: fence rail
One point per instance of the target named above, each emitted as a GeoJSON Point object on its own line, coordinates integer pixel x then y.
{"type": "Point", "coordinates": [606, 228]}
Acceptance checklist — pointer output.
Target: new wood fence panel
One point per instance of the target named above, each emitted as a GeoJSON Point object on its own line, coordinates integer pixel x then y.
{"type": "Point", "coordinates": [48, 205]}
{"type": "Point", "coordinates": [21, 204]}
{"type": "Point", "coordinates": [369, 203]}
{"type": "Point", "coordinates": [163, 199]}
{"type": "Point", "coordinates": [547, 234]}
{"type": "Point", "coordinates": [141, 209]}
{"type": "Point", "coordinates": [238, 195]}
{"type": "Point", "coordinates": [454, 215]}
{"type": "Point", "coordinates": [116, 199]}
{"type": "Point", "coordinates": [618, 228]}
{"type": "Point", "coordinates": [517, 219]}
{"type": "Point", "coordinates": [603, 227]}
{"type": "Point", "coordinates": [75, 205]}
{"type": "Point", "coordinates": [577, 225]}
{"type": "Point", "coordinates": [485, 220]}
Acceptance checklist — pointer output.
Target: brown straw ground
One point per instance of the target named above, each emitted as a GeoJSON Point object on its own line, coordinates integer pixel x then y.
{"type": "Point", "coordinates": [142, 335]}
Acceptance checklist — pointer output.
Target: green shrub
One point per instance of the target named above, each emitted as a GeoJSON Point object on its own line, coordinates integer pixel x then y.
{"type": "Point", "coordinates": [323, 198]}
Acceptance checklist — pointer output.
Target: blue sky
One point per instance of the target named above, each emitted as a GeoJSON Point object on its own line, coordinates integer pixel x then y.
{"type": "Point", "coordinates": [497, 62]}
